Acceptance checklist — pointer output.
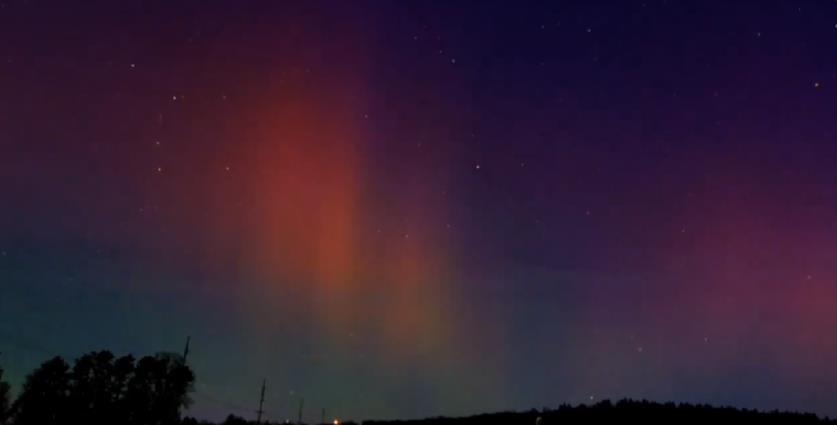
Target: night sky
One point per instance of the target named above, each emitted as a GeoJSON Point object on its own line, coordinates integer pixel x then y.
{"type": "Point", "coordinates": [403, 209]}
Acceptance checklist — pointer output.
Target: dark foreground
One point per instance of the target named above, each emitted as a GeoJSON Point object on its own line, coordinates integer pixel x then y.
{"type": "Point", "coordinates": [102, 389]}
{"type": "Point", "coordinates": [622, 412]}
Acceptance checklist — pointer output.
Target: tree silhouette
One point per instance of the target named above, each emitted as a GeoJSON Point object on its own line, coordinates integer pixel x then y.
{"type": "Point", "coordinates": [123, 372]}
{"type": "Point", "coordinates": [44, 399]}
{"type": "Point", "coordinates": [4, 399]}
{"type": "Point", "coordinates": [97, 386]}
{"type": "Point", "coordinates": [101, 389]}
{"type": "Point", "coordinates": [158, 390]}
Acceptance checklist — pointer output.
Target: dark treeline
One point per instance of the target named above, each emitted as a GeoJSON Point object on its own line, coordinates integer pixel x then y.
{"type": "Point", "coordinates": [622, 412]}
{"type": "Point", "coordinates": [237, 420]}
{"type": "Point", "coordinates": [101, 389]}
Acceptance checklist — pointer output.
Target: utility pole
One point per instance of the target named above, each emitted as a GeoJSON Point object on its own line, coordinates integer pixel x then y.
{"type": "Point", "coordinates": [301, 405]}
{"type": "Point", "coordinates": [186, 349]}
{"type": "Point", "coordinates": [261, 404]}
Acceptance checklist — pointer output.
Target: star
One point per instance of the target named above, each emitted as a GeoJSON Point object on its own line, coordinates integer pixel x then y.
{"type": "Point", "coordinates": [159, 169]}
{"type": "Point", "coordinates": [453, 61]}
{"type": "Point", "coordinates": [477, 167]}
{"type": "Point", "coordinates": [816, 84]}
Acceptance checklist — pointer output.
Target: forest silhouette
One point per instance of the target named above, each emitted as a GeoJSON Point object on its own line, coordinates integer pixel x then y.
{"type": "Point", "coordinates": [102, 389]}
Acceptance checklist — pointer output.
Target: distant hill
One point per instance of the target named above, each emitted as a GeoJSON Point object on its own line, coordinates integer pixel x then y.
{"type": "Point", "coordinates": [605, 412]}
{"type": "Point", "coordinates": [625, 411]}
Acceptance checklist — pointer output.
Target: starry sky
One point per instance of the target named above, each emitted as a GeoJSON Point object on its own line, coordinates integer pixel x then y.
{"type": "Point", "coordinates": [413, 208]}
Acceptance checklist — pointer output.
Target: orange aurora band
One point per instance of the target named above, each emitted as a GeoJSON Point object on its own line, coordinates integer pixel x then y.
{"type": "Point", "coordinates": [313, 224]}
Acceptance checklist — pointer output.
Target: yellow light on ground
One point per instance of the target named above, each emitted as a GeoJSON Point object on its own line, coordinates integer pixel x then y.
{"type": "Point", "coordinates": [336, 422]}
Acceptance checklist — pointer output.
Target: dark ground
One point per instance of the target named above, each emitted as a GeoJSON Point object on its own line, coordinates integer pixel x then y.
{"type": "Point", "coordinates": [625, 411]}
